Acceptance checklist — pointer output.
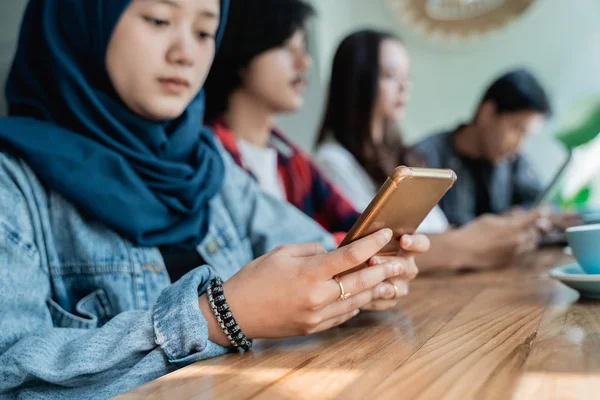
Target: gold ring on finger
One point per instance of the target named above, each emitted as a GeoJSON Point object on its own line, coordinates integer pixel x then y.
{"type": "Point", "coordinates": [395, 288]}
{"type": "Point", "coordinates": [343, 294]}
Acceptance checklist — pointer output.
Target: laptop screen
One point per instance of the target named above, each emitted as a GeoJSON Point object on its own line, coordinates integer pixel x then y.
{"type": "Point", "coordinates": [576, 187]}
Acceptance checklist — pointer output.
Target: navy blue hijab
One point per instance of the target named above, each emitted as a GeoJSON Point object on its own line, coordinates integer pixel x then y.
{"type": "Point", "coordinates": [149, 181]}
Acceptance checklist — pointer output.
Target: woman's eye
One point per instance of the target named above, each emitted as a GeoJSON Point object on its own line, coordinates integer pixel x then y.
{"type": "Point", "coordinates": [156, 21]}
{"type": "Point", "coordinates": [205, 35]}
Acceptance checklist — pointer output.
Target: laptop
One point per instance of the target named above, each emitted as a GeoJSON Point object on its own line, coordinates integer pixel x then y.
{"type": "Point", "coordinates": [581, 166]}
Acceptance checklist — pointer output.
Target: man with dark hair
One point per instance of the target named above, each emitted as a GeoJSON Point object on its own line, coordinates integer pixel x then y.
{"type": "Point", "coordinates": [259, 73]}
{"type": "Point", "coordinates": [493, 176]}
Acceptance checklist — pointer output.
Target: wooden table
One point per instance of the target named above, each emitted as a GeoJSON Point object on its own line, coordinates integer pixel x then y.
{"type": "Point", "coordinates": [512, 333]}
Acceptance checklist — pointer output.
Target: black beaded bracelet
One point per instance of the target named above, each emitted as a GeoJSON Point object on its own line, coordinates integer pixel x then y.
{"type": "Point", "coordinates": [224, 316]}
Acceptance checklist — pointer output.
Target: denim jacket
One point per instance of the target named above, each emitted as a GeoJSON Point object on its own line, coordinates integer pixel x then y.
{"type": "Point", "coordinates": [84, 313]}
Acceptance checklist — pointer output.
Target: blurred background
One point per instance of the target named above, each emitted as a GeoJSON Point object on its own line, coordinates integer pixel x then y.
{"type": "Point", "coordinates": [451, 63]}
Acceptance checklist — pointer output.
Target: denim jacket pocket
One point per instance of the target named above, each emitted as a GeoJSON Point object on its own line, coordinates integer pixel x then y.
{"type": "Point", "coordinates": [92, 311]}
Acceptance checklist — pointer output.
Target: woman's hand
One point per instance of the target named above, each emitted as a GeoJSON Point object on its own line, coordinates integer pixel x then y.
{"type": "Point", "coordinates": [386, 294]}
{"type": "Point", "coordinates": [290, 291]}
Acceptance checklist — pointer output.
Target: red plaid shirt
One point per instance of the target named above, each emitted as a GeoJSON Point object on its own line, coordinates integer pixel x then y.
{"type": "Point", "coordinates": [305, 187]}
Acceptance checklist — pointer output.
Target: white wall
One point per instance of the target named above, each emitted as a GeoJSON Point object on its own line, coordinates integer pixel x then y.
{"type": "Point", "coordinates": [558, 40]}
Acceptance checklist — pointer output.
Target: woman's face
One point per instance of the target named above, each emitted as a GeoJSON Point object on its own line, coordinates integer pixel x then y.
{"type": "Point", "coordinates": [160, 54]}
{"type": "Point", "coordinates": [278, 77]}
{"type": "Point", "coordinates": [394, 81]}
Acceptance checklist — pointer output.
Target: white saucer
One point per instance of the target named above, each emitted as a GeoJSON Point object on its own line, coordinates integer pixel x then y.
{"type": "Point", "coordinates": [572, 275]}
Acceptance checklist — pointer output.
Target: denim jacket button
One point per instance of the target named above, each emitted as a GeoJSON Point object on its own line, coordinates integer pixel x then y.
{"type": "Point", "coordinates": [212, 247]}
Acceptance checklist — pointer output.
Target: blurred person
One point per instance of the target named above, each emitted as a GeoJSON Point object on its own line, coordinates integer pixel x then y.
{"type": "Point", "coordinates": [261, 71]}
{"type": "Point", "coordinates": [119, 212]}
{"type": "Point", "coordinates": [485, 152]}
{"type": "Point", "coordinates": [359, 143]}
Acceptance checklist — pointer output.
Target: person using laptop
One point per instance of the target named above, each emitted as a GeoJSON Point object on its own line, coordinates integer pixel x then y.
{"type": "Point", "coordinates": [495, 177]}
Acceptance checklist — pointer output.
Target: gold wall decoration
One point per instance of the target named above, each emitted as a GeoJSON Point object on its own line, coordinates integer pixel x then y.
{"type": "Point", "coordinates": [458, 20]}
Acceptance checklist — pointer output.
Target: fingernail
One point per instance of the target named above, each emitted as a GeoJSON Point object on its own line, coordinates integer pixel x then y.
{"type": "Point", "coordinates": [407, 241]}
{"type": "Point", "coordinates": [356, 312]}
{"type": "Point", "coordinates": [381, 290]}
{"type": "Point", "coordinates": [386, 235]}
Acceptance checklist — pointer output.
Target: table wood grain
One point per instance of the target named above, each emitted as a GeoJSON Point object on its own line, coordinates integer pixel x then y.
{"type": "Point", "coordinates": [505, 334]}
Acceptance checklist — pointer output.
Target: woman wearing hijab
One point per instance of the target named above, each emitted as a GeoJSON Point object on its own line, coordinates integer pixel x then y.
{"type": "Point", "coordinates": [119, 218]}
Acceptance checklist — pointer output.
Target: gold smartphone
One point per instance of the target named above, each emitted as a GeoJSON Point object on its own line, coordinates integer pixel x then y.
{"type": "Point", "coordinates": [402, 203]}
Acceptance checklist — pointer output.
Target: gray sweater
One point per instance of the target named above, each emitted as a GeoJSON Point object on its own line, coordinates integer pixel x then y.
{"type": "Point", "coordinates": [511, 183]}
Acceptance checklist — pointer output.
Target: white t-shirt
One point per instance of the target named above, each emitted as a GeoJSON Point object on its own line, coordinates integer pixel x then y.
{"type": "Point", "coordinates": [262, 162]}
{"type": "Point", "coordinates": [342, 168]}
